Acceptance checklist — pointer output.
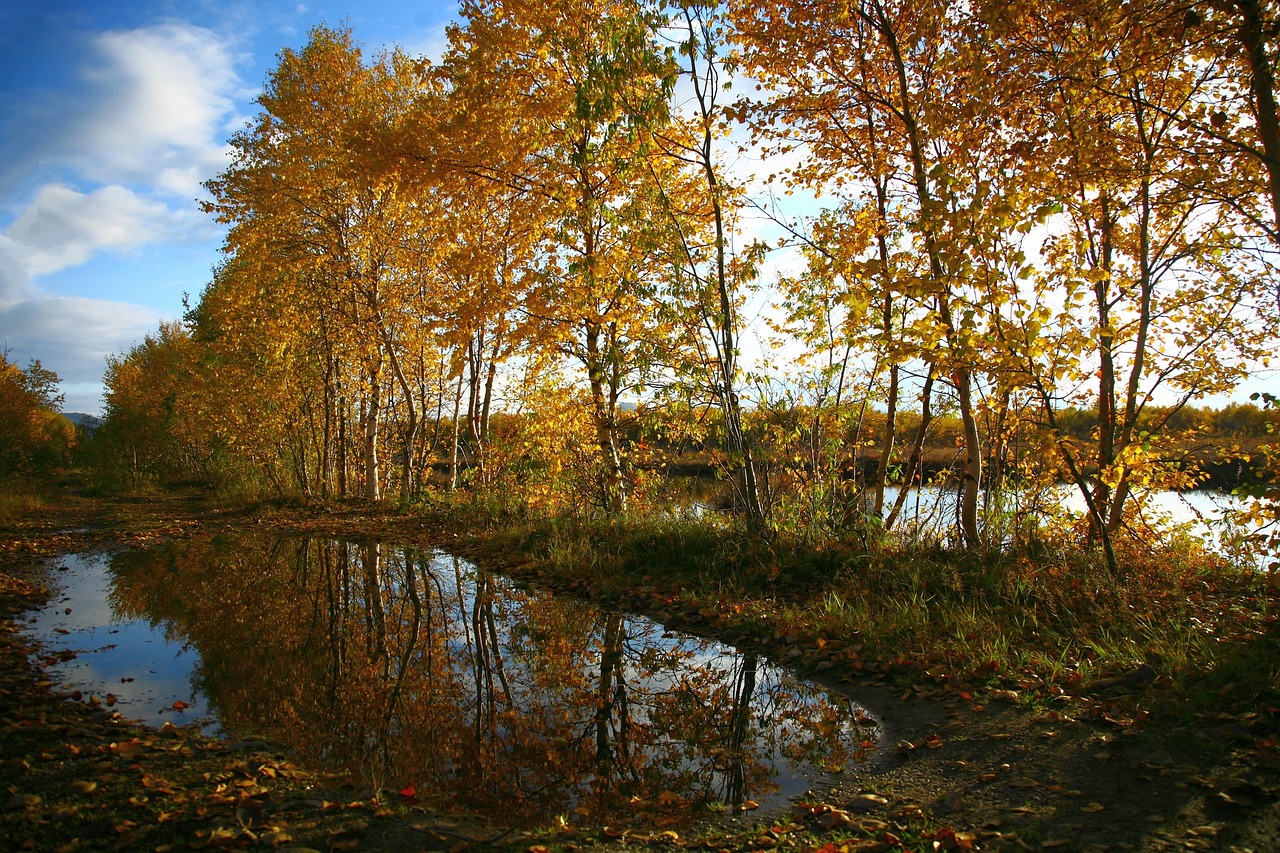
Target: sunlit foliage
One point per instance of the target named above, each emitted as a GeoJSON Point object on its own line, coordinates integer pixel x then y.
{"type": "Point", "coordinates": [521, 271]}
{"type": "Point", "coordinates": [34, 436]}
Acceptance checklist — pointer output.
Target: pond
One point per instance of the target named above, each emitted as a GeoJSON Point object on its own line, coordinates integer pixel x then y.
{"type": "Point", "coordinates": [427, 675]}
{"type": "Point", "coordinates": [931, 511]}
{"type": "Point", "coordinates": [1201, 513]}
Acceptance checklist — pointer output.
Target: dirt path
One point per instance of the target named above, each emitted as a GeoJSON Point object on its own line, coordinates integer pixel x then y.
{"type": "Point", "coordinates": [1018, 768]}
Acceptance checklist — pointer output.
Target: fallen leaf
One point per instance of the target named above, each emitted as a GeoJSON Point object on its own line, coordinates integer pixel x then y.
{"type": "Point", "coordinates": [867, 802]}
{"type": "Point", "coordinates": [276, 836]}
{"type": "Point", "coordinates": [154, 783]}
{"type": "Point", "coordinates": [23, 801]}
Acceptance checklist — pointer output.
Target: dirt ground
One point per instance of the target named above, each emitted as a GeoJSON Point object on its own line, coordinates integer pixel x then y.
{"type": "Point", "coordinates": [1017, 768]}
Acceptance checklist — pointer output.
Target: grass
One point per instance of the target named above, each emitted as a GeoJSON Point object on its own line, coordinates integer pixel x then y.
{"type": "Point", "coordinates": [18, 500]}
{"type": "Point", "coordinates": [1056, 616]}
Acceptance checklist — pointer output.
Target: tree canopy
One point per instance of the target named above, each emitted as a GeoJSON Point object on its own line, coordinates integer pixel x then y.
{"type": "Point", "coordinates": [522, 269]}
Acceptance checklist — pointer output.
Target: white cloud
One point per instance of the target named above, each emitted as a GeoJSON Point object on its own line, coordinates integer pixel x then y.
{"type": "Point", "coordinates": [65, 228]}
{"type": "Point", "coordinates": [183, 181]}
{"type": "Point", "coordinates": [145, 102]}
{"type": "Point", "coordinates": [429, 43]}
{"type": "Point", "coordinates": [116, 163]}
{"type": "Point", "coordinates": [72, 336]}
{"type": "Point", "coordinates": [14, 285]}
{"type": "Point", "coordinates": [156, 99]}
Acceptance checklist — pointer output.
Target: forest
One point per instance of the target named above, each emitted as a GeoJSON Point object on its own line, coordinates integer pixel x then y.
{"type": "Point", "coordinates": [529, 266]}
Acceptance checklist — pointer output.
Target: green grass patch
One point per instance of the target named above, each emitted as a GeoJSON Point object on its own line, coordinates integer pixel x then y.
{"type": "Point", "coordinates": [1056, 616]}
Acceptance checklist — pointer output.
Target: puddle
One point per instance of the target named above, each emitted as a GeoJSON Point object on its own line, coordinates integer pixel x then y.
{"type": "Point", "coordinates": [426, 675]}
{"type": "Point", "coordinates": [128, 664]}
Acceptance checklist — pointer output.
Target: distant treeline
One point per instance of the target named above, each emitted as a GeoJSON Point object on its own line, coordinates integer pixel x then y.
{"type": "Point", "coordinates": [1218, 447]}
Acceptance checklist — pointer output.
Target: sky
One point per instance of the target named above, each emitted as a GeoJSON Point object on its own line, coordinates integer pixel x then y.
{"type": "Point", "coordinates": [112, 114]}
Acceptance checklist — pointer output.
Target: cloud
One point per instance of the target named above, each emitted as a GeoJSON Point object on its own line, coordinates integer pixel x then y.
{"type": "Point", "coordinates": [116, 162]}
{"type": "Point", "coordinates": [64, 228]}
{"type": "Point", "coordinates": [72, 336]}
{"type": "Point", "coordinates": [155, 100]}
{"type": "Point", "coordinates": [431, 40]}
{"type": "Point", "coordinates": [14, 285]}
{"type": "Point", "coordinates": [145, 106]}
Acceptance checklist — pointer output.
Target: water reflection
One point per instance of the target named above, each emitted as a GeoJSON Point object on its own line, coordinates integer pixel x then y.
{"type": "Point", "coordinates": [121, 664]}
{"type": "Point", "coordinates": [418, 669]}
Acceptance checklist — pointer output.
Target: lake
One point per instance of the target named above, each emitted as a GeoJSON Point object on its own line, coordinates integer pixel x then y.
{"type": "Point", "coordinates": [1202, 513]}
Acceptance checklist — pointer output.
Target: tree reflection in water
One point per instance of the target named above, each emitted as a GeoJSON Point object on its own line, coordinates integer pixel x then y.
{"type": "Point", "coordinates": [419, 669]}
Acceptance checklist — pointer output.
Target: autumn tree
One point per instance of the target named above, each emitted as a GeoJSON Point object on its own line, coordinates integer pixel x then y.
{"type": "Point", "coordinates": [569, 102]}
{"type": "Point", "coordinates": [709, 278]}
{"type": "Point", "coordinates": [1233, 44]}
{"type": "Point", "coordinates": [484, 240]}
{"type": "Point", "coordinates": [1148, 291]}
{"type": "Point", "coordinates": [856, 328]}
{"type": "Point", "coordinates": [304, 196]}
{"type": "Point", "coordinates": [882, 95]}
{"type": "Point", "coordinates": [150, 429]}
{"type": "Point", "coordinates": [34, 436]}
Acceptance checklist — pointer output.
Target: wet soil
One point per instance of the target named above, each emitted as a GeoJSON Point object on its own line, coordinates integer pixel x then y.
{"type": "Point", "coordinates": [1018, 767]}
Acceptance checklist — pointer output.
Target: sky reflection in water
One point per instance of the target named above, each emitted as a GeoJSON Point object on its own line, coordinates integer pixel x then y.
{"type": "Point", "coordinates": [126, 662]}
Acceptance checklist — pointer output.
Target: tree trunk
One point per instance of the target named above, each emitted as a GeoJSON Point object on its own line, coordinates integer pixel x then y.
{"type": "Point", "coordinates": [372, 474]}
{"type": "Point", "coordinates": [886, 326]}
{"type": "Point", "coordinates": [917, 450]}
{"type": "Point", "coordinates": [1252, 33]}
{"type": "Point", "coordinates": [411, 428]}
{"type": "Point", "coordinates": [457, 435]}
{"type": "Point", "coordinates": [961, 373]}
{"type": "Point", "coordinates": [604, 416]}
{"type": "Point", "coordinates": [738, 443]}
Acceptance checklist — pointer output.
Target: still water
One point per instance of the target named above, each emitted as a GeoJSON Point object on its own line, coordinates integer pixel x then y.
{"type": "Point", "coordinates": [418, 669]}
{"type": "Point", "coordinates": [1201, 513]}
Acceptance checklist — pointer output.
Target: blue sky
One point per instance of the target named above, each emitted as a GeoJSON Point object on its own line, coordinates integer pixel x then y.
{"type": "Point", "coordinates": [111, 115]}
